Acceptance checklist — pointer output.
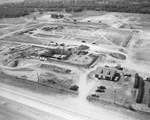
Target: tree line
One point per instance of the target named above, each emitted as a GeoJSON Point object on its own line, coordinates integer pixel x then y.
{"type": "Point", "coordinates": [25, 8]}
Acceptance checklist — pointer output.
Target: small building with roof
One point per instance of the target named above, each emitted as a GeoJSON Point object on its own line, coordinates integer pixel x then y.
{"type": "Point", "coordinates": [105, 73]}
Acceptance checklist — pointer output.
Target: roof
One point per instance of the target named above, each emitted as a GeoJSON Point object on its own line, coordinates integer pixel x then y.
{"type": "Point", "coordinates": [106, 71]}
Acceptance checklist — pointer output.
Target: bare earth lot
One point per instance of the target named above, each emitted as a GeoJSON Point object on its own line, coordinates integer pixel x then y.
{"type": "Point", "coordinates": [54, 58]}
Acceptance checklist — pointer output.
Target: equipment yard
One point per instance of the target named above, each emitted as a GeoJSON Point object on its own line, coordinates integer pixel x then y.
{"type": "Point", "coordinates": [87, 64]}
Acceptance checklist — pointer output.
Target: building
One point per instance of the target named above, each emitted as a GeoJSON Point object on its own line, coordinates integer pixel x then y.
{"type": "Point", "coordinates": [105, 73]}
{"type": "Point", "coordinates": [146, 96]}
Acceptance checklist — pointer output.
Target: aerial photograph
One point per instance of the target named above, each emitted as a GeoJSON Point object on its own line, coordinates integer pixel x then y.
{"type": "Point", "coordinates": [74, 59]}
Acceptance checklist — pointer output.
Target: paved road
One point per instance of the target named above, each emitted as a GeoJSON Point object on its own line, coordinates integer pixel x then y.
{"type": "Point", "coordinates": [64, 113]}
{"type": "Point", "coordinates": [38, 104]}
{"type": "Point", "coordinates": [7, 114]}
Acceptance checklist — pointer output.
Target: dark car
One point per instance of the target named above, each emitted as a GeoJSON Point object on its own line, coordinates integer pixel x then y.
{"type": "Point", "coordinates": [74, 87]}
{"type": "Point", "coordinates": [127, 74]}
{"type": "Point", "coordinates": [101, 87]}
{"type": "Point", "coordinates": [100, 90]}
{"type": "Point", "coordinates": [94, 95]}
{"type": "Point", "coordinates": [84, 41]}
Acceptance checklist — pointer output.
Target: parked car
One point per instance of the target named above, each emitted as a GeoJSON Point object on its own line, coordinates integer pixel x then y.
{"type": "Point", "coordinates": [100, 90]}
{"type": "Point", "coordinates": [101, 87]}
{"type": "Point", "coordinates": [74, 87]}
{"type": "Point", "coordinates": [127, 74]}
{"type": "Point", "coordinates": [94, 95]}
{"type": "Point", "coordinates": [116, 79]}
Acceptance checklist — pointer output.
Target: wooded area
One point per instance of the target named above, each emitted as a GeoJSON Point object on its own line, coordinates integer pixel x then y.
{"type": "Point", "coordinates": [25, 8]}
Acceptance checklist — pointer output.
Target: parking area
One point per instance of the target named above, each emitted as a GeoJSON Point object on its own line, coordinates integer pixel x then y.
{"type": "Point", "coordinates": [117, 87]}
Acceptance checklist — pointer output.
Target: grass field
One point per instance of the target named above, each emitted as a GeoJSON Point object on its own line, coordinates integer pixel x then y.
{"type": "Point", "coordinates": [143, 55]}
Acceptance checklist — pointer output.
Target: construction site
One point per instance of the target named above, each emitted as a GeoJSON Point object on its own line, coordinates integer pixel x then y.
{"type": "Point", "coordinates": [85, 64]}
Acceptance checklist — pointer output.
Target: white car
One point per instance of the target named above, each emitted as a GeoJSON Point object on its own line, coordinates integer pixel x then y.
{"type": "Point", "coordinates": [116, 79]}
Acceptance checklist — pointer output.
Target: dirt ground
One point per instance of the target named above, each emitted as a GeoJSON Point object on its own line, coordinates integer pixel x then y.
{"type": "Point", "coordinates": [117, 38]}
